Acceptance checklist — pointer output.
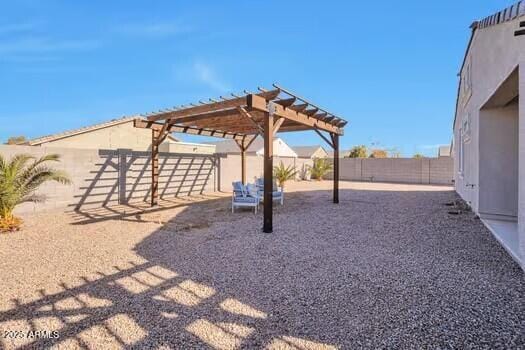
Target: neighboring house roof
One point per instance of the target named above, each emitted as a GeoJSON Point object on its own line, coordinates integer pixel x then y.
{"type": "Point", "coordinates": [69, 133]}
{"type": "Point", "coordinates": [508, 14]}
{"type": "Point", "coordinates": [444, 151]}
{"type": "Point", "coordinates": [230, 146]}
{"type": "Point", "coordinates": [257, 146]}
{"type": "Point", "coordinates": [342, 153]}
{"type": "Point", "coordinates": [308, 151]}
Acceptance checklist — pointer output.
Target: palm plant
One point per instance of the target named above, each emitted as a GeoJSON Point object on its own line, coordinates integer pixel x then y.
{"type": "Point", "coordinates": [20, 177]}
{"type": "Point", "coordinates": [320, 168]}
{"type": "Point", "coordinates": [284, 173]}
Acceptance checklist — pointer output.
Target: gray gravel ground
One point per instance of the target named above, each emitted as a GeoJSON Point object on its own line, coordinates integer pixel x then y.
{"type": "Point", "coordinates": [386, 268]}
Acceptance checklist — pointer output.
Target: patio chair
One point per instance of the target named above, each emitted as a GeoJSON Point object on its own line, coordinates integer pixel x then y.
{"type": "Point", "coordinates": [242, 197]}
{"type": "Point", "coordinates": [277, 194]}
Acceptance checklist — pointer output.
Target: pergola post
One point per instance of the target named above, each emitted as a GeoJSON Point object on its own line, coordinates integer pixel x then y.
{"type": "Point", "coordinates": [335, 139]}
{"type": "Point", "coordinates": [155, 136]}
{"type": "Point", "coordinates": [268, 173]}
{"type": "Point", "coordinates": [243, 165]}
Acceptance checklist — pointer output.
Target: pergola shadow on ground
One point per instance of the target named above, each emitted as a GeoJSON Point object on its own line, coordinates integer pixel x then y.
{"type": "Point", "coordinates": [136, 211]}
{"type": "Point", "coordinates": [243, 118]}
{"type": "Point", "coordinates": [394, 271]}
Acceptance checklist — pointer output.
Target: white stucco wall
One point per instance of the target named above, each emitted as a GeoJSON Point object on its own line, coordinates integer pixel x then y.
{"type": "Point", "coordinates": [320, 153]}
{"type": "Point", "coordinates": [187, 148]}
{"type": "Point", "coordinates": [280, 149]}
{"type": "Point", "coordinates": [521, 167]}
{"type": "Point", "coordinates": [494, 54]}
{"type": "Point", "coordinates": [498, 167]}
{"type": "Point", "coordinates": [113, 137]}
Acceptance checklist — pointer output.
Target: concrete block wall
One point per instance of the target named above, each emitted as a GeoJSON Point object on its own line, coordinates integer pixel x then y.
{"type": "Point", "coordinates": [441, 171]}
{"type": "Point", "coordinates": [82, 165]}
{"type": "Point", "coordinates": [109, 177]}
{"type": "Point", "coordinates": [179, 175]}
{"type": "Point", "coordinates": [403, 170]}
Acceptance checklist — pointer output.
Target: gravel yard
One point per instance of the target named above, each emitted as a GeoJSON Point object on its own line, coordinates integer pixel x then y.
{"type": "Point", "coordinates": [386, 268]}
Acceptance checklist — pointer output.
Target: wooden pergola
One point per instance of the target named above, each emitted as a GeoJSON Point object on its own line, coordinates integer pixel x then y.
{"type": "Point", "coordinates": [242, 118]}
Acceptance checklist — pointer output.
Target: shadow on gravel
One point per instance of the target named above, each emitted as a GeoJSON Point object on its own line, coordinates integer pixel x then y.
{"type": "Point", "coordinates": [134, 211]}
{"type": "Point", "coordinates": [383, 269]}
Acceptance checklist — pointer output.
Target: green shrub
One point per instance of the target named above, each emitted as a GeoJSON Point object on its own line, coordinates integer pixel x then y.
{"type": "Point", "coordinates": [358, 152]}
{"type": "Point", "coordinates": [19, 179]}
{"type": "Point", "coordinates": [282, 173]}
{"type": "Point", "coordinates": [320, 168]}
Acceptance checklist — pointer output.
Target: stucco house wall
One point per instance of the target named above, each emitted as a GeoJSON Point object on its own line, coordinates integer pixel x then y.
{"type": "Point", "coordinates": [112, 137]}
{"type": "Point", "coordinates": [112, 134]}
{"type": "Point", "coordinates": [187, 148]}
{"type": "Point", "coordinates": [320, 153]}
{"type": "Point", "coordinates": [493, 55]}
{"type": "Point", "coordinates": [498, 162]}
{"type": "Point", "coordinates": [117, 134]}
{"type": "Point", "coordinates": [280, 148]}
{"type": "Point", "coordinates": [310, 152]}
{"type": "Point", "coordinates": [489, 127]}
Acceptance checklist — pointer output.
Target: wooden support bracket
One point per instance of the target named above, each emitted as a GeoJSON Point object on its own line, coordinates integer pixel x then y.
{"type": "Point", "coordinates": [325, 138]}
{"type": "Point", "coordinates": [278, 123]}
{"type": "Point", "coordinates": [247, 115]}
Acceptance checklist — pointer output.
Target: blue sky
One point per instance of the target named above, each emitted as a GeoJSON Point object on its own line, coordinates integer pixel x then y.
{"type": "Point", "coordinates": [389, 67]}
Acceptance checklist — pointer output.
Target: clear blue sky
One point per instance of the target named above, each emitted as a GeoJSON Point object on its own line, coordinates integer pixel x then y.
{"type": "Point", "coordinates": [389, 67]}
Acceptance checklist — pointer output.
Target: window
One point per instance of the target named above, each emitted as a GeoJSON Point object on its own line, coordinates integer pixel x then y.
{"type": "Point", "coordinates": [466, 82]}
{"type": "Point", "coordinates": [465, 128]}
{"type": "Point", "coordinates": [461, 153]}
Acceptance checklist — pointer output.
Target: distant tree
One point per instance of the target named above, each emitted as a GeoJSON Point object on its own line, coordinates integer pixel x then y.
{"type": "Point", "coordinates": [359, 151]}
{"type": "Point", "coordinates": [394, 153]}
{"type": "Point", "coordinates": [378, 153]}
{"type": "Point", "coordinates": [418, 156]}
{"type": "Point", "coordinates": [16, 140]}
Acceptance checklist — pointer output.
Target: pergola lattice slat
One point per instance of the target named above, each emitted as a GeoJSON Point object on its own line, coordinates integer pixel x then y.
{"type": "Point", "coordinates": [242, 118]}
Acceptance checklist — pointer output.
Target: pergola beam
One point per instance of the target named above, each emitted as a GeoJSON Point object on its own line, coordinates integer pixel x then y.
{"type": "Point", "coordinates": [301, 99]}
{"type": "Point", "coordinates": [286, 102]}
{"type": "Point", "coordinates": [140, 123]}
{"type": "Point", "coordinates": [210, 107]}
{"type": "Point", "coordinates": [214, 115]}
{"type": "Point", "coordinates": [320, 116]}
{"type": "Point", "coordinates": [259, 103]}
{"type": "Point", "coordinates": [293, 128]}
{"type": "Point", "coordinates": [299, 107]}
{"type": "Point", "coordinates": [223, 126]}
{"type": "Point", "coordinates": [311, 112]}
